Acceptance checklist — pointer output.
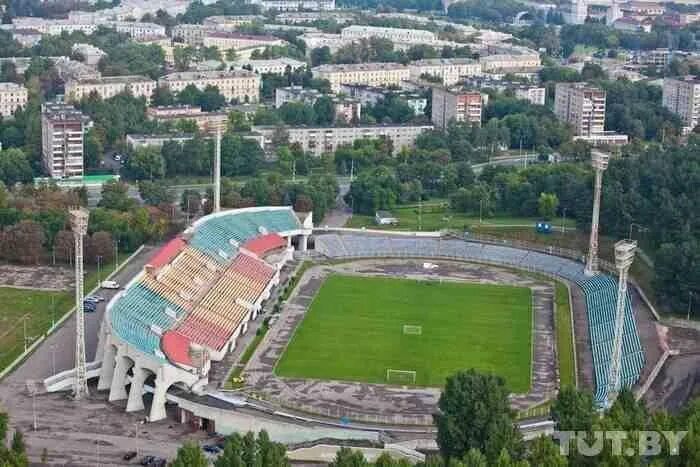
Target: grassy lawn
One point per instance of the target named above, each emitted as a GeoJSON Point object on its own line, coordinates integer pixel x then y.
{"type": "Point", "coordinates": [565, 343]}
{"type": "Point", "coordinates": [39, 308]}
{"type": "Point", "coordinates": [354, 331]}
{"type": "Point", "coordinates": [437, 216]}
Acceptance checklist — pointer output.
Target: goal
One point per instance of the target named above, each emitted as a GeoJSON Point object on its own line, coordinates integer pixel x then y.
{"type": "Point", "coordinates": [413, 330]}
{"type": "Point", "coordinates": [400, 376]}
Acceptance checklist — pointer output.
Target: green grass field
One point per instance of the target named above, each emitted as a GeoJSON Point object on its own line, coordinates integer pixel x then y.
{"type": "Point", "coordinates": [353, 331]}
{"type": "Point", "coordinates": [39, 308]}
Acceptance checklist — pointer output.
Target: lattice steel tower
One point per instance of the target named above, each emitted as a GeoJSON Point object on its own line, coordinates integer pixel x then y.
{"type": "Point", "coordinates": [79, 223]}
{"type": "Point", "coordinates": [599, 161]}
{"type": "Point", "coordinates": [217, 128]}
{"type": "Point", "coordinates": [624, 256]}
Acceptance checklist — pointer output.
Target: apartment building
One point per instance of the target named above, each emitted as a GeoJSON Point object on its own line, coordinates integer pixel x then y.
{"type": "Point", "coordinates": [582, 106]}
{"type": "Point", "coordinates": [320, 140]}
{"type": "Point", "coordinates": [224, 41]}
{"type": "Point", "coordinates": [165, 43]}
{"type": "Point", "coordinates": [533, 93]}
{"type": "Point", "coordinates": [90, 54]}
{"type": "Point", "coordinates": [12, 97]}
{"type": "Point", "coordinates": [136, 29]}
{"type": "Point", "coordinates": [505, 63]}
{"type": "Point", "coordinates": [368, 95]}
{"type": "Point", "coordinates": [346, 109]}
{"type": "Point", "coordinates": [231, 21]}
{"type": "Point", "coordinates": [62, 131]}
{"type": "Point", "coordinates": [53, 27]}
{"type": "Point", "coordinates": [414, 36]}
{"type": "Point", "coordinates": [109, 86]}
{"type": "Point", "coordinates": [191, 34]}
{"type": "Point", "coordinates": [460, 106]}
{"type": "Point", "coordinates": [314, 40]}
{"type": "Point", "coordinates": [682, 97]}
{"type": "Point", "coordinates": [206, 121]}
{"type": "Point", "coordinates": [299, 17]}
{"type": "Point", "coordinates": [26, 37]}
{"type": "Point", "coordinates": [239, 85]}
{"type": "Point", "coordinates": [371, 74]}
{"type": "Point", "coordinates": [275, 66]}
{"type": "Point", "coordinates": [449, 70]}
{"type": "Point", "coordinates": [295, 5]}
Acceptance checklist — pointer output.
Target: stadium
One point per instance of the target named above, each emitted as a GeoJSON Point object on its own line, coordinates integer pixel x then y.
{"type": "Point", "coordinates": [373, 323]}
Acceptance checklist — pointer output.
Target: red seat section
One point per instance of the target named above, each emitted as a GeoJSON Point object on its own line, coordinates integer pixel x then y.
{"type": "Point", "coordinates": [263, 244]}
{"type": "Point", "coordinates": [167, 252]}
{"type": "Point", "coordinates": [252, 268]}
{"type": "Point", "coordinates": [176, 347]}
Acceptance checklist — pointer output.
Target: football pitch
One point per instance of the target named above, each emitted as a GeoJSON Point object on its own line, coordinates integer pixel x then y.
{"type": "Point", "coordinates": [358, 328]}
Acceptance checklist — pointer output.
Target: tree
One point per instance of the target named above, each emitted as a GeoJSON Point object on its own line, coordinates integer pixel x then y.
{"type": "Point", "coordinates": [102, 245]}
{"type": "Point", "coordinates": [14, 167]}
{"type": "Point", "coordinates": [247, 451]}
{"type": "Point", "coordinates": [94, 148]}
{"type": "Point", "coordinates": [547, 205]}
{"type": "Point", "coordinates": [346, 457]}
{"type": "Point", "coordinates": [162, 96]}
{"type": "Point", "coordinates": [146, 162]}
{"type": "Point", "coordinates": [63, 245]}
{"type": "Point", "coordinates": [182, 57]}
{"type": "Point", "coordinates": [155, 192]}
{"type": "Point", "coordinates": [115, 196]}
{"type": "Point", "coordinates": [573, 410]}
{"type": "Point", "coordinates": [210, 99]}
{"type": "Point", "coordinates": [23, 242]}
{"type": "Point", "coordinates": [544, 452]}
{"type": "Point", "coordinates": [190, 455]}
{"type": "Point", "coordinates": [474, 412]}
{"type": "Point", "coordinates": [324, 108]}
{"type": "Point", "coordinates": [231, 55]}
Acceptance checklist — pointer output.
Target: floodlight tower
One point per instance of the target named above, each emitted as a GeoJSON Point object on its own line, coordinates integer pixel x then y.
{"type": "Point", "coordinates": [599, 161]}
{"type": "Point", "coordinates": [217, 128]}
{"type": "Point", "coordinates": [79, 223]}
{"type": "Point", "coordinates": [624, 256]}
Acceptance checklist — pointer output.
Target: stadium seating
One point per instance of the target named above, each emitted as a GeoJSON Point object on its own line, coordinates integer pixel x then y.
{"type": "Point", "coordinates": [600, 291]}
{"type": "Point", "coordinates": [200, 289]}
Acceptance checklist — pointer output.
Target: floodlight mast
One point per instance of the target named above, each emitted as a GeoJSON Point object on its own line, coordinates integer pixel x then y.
{"type": "Point", "coordinates": [79, 223]}
{"type": "Point", "coordinates": [599, 161]}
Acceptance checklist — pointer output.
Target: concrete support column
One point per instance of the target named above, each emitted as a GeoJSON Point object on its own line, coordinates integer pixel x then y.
{"type": "Point", "coordinates": [107, 369]}
{"type": "Point", "coordinates": [135, 402]}
{"type": "Point", "coordinates": [304, 242]}
{"type": "Point", "coordinates": [158, 404]}
{"type": "Point", "coordinates": [289, 241]}
{"type": "Point", "coordinates": [117, 389]}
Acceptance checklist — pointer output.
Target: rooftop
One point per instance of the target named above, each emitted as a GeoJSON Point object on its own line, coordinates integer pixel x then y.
{"type": "Point", "coordinates": [115, 79]}
{"type": "Point", "coordinates": [217, 74]}
{"type": "Point", "coordinates": [360, 67]}
{"type": "Point", "coordinates": [238, 35]}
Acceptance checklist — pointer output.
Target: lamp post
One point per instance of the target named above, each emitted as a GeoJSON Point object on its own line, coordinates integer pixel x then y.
{"type": "Point", "coordinates": [690, 302]}
{"type": "Point", "coordinates": [563, 220]}
{"type": "Point", "coordinates": [99, 275]}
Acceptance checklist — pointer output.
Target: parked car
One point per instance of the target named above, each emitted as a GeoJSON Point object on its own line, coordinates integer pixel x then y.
{"type": "Point", "coordinates": [89, 306]}
{"type": "Point", "coordinates": [147, 460]}
{"type": "Point", "coordinates": [95, 298]}
{"type": "Point", "coordinates": [109, 285]}
{"type": "Point", "coordinates": [210, 448]}
{"type": "Point", "coordinates": [129, 455]}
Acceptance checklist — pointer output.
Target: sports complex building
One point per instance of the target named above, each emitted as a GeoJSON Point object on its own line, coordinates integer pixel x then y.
{"type": "Point", "coordinates": [188, 307]}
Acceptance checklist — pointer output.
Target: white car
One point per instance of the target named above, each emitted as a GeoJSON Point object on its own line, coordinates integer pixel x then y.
{"type": "Point", "coordinates": [109, 285]}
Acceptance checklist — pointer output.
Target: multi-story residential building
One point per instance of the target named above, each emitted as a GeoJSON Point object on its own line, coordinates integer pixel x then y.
{"type": "Point", "coordinates": [509, 62]}
{"type": "Point", "coordinates": [414, 36]}
{"type": "Point", "coordinates": [109, 86]}
{"type": "Point", "coordinates": [277, 65]}
{"type": "Point", "coordinates": [346, 109]}
{"type": "Point", "coordinates": [655, 57]}
{"type": "Point", "coordinates": [191, 34]}
{"type": "Point", "coordinates": [12, 97]}
{"type": "Point", "coordinates": [73, 70]}
{"type": "Point", "coordinates": [231, 21]}
{"type": "Point", "coordinates": [458, 106]}
{"type": "Point", "coordinates": [136, 141]}
{"type": "Point", "coordinates": [90, 54]}
{"type": "Point", "coordinates": [52, 27]}
{"type": "Point", "coordinates": [320, 140]}
{"type": "Point", "coordinates": [368, 95]}
{"type": "Point", "coordinates": [206, 121]}
{"type": "Point", "coordinates": [534, 94]}
{"type": "Point", "coordinates": [642, 9]}
{"type": "Point", "coordinates": [26, 37]}
{"type": "Point", "coordinates": [682, 97]}
{"type": "Point", "coordinates": [298, 17]}
{"type": "Point", "coordinates": [295, 5]}
{"type": "Point", "coordinates": [449, 70]}
{"type": "Point", "coordinates": [371, 74]}
{"type": "Point", "coordinates": [224, 40]}
{"type": "Point", "coordinates": [582, 106]}
{"type": "Point", "coordinates": [314, 40]}
{"type": "Point", "coordinates": [633, 24]}
{"type": "Point", "coordinates": [239, 85]}
{"type": "Point", "coordinates": [165, 43]}
{"type": "Point", "coordinates": [62, 131]}
{"type": "Point", "coordinates": [136, 29]}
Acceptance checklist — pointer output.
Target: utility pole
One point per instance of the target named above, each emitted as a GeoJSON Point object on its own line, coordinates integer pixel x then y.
{"type": "Point", "coordinates": [352, 170]}
{"type": "Point", "coordinates": [99, 271]}
{"type": "Point", "coordinates": [420, 213]}
{"type": "Point", "coordinates": [79, 223]}
{"type": "Point", "coordinates": [690, 303]}
{"type": "Point", "coordinates": [116, 253]}
{"type": "Point", "coordinates": [599, 161]}
{"type": "Point", "coordinates": [563, 220]}
{"type": "Point", "coordinates": [294, 170]}
{"type": "Point", "coordinates": [217, 171]}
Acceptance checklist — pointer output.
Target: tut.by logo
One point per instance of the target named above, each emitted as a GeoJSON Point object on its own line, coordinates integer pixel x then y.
{"type": "Point", "coordinates": [649, 443]}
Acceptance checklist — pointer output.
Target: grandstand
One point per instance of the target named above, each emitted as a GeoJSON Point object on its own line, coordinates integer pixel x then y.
{"type": "Point", "coordinates": [600, 290]}
{"type": "Point", "coordinates": [193, 299]}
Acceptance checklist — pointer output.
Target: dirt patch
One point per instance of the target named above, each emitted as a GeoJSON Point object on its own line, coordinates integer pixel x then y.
{"type": "Point", "coordinates": [36, 277]}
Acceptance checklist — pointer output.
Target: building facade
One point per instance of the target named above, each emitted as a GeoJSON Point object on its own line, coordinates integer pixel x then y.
{"type": "Point", "coordinates": [62, 132]}
{"type": "Point", "coordinates": [295, 5]}
{"type": "Point", "coordinates": [415, 36]}
{"type": "Point", "coordinates": [275, 66]}
{"type": "Point", "coordinates": [12, 97]}
{"type": "Point", "coordinates": [110, 86]}
{"type": "Point", "coordinates": [582, 106]}
{"type": "Point", "coordinates": [449, 70]}
{"type": "Point", "coordinates": [509, 62]}
{"type": "Point", "coordinates": [370, 74]}
{"type": "Point", "coordinates": [458, 106]}
{"type": "Point", "coordinates": [320, 140]}
{"type": "Point", "coordinates": [224, 41]}
{"type": "Point", "coordinates": [682, 97]}
{"type": "Point", "coordinates": [346, 109]}
{"type": "Point", "coordinates": [239, 85]}
{"type": "Point", "coordinates": [206, 121]}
